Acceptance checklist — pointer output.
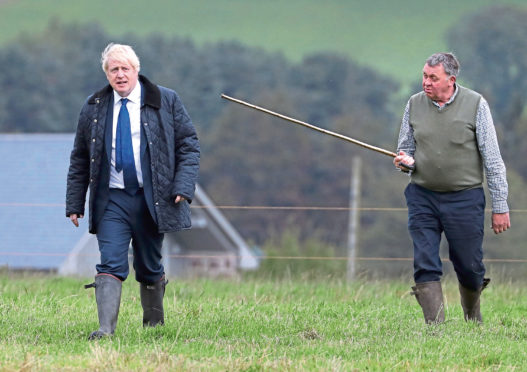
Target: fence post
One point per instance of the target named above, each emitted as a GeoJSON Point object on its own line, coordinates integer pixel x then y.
{"type": "Point", "coordinates": [353, 216]}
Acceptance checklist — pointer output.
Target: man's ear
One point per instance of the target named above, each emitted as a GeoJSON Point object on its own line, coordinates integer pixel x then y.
{"type": "Point", "coordinates": [452, 80]}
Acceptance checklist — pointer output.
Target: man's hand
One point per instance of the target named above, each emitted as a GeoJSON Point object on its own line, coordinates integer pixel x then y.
{"type": "Point", "coordinates": [74, 218]}
{"type": "Point", "coordinates": [179, 198]}
{"type": "Point", "coordinates": [403, 158]}
{"type": "Point", "coordinates": [500, 222]}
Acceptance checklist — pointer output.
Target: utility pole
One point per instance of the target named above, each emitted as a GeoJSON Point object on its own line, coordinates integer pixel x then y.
{"type": "Point", "coordinates": [353, 226]}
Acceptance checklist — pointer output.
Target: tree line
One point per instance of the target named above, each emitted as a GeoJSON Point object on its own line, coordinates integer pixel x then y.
{"type": "Point", "coordinates": [252, 159]}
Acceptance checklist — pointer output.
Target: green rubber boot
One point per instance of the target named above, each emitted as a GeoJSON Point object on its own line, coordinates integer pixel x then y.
{"type": "Point", "coordinates": [430, 296]}
{"type": "Point", "coordinates": [470, 301]}
{"type": "Point", "coordinates": [108, 296]}
{"type": "Point", "coordinates": [152, 302]}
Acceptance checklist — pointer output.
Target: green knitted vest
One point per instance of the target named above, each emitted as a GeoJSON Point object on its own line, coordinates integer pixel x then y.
{"type": "Point", "coordinates": [446, 150]}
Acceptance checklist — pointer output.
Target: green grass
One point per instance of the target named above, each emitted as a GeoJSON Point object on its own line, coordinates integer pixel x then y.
{"type": "Point", "coordinates": [256, 325]}
{"type": "Point", "coordinates": [393, 37]}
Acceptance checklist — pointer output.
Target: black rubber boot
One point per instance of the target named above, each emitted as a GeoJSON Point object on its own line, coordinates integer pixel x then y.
{"type": "Point", "coordinates": [470, 301]}
{"type": "Point", "coordinates": [430, 296]}
{"type": "Point", "coordinates": [108, 297]}
{"type": "Point", "coordinates": [152, 302]}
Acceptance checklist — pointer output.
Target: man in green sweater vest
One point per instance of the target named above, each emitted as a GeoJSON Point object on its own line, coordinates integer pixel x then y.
{"type": "Point", "coordinates": [448, 134]}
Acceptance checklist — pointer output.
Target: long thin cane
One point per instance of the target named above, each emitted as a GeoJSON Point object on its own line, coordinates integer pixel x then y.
{"type": "Point", "coordinates": [318, 129]}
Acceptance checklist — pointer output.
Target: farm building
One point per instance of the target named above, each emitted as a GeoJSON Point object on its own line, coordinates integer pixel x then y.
{"type": "Point", "coordinates": [35, 234]}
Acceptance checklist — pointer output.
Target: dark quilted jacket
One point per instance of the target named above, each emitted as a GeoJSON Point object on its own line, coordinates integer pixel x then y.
{"type": "Point", "coordinates": [174, 151]}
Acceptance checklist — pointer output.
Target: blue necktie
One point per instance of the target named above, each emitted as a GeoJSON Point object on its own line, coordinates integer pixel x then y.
{"type": "Point", "coordinates": [124, 152]}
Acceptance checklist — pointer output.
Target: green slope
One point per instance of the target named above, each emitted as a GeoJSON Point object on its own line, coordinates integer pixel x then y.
{"type": "Point", "coordinates": [393, 37]}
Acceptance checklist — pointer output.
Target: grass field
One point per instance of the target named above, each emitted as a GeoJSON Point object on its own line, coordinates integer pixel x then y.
{"type": "Point", "coordinates": [393, 37]}
{"type": "Point", "coordinates": [254, 325]}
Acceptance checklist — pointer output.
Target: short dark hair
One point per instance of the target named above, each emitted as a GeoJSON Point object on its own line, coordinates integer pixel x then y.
{"type": "Point", "coordinates": [448, 60]}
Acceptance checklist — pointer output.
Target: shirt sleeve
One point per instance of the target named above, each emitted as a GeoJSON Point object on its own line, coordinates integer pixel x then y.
{"type": "Point", "coordinates": [406, 140]}
{"type": "Point", "coordinates": [492, 160]}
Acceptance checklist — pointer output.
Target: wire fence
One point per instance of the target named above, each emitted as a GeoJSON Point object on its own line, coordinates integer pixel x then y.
{"type": "Point", "coordinates": [267, 208]}
{"type": "Point", "coordinates": [289, 258]}
{"type": "Point", "coordinates": [258, 207]}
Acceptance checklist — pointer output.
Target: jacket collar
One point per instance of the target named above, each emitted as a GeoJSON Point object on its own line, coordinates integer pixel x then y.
{"type": "Point", "coordinates": [151, 93]}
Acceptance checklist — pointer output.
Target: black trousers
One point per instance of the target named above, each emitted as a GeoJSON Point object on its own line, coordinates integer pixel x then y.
{"type": "Point", "coordinates": [460, 216]}
{"type": "Point", "coordinates": [126, 219]}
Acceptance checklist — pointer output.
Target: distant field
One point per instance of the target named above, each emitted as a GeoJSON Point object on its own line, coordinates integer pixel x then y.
{"type": "Point", "coordinates": [392, 36]}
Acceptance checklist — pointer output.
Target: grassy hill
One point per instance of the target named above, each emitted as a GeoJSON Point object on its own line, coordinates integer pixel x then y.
{"type": "Point", "coordinates": [393, 37]}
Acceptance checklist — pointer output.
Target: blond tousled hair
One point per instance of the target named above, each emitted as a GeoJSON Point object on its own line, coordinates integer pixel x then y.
{"type": "Point", "coordinates": [121, 53]}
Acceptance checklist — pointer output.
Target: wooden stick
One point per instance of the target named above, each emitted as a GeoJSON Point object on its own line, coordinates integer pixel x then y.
{"type": "Point", "coordinates": [310, 126]}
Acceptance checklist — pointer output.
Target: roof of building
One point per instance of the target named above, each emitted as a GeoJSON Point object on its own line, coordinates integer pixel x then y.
{"type": "Point", "coordinates": [33, 228]}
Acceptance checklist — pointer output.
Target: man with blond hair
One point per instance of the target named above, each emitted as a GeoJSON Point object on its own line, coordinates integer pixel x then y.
{"type": "Point", "coordinates": [138, 153]}
{"type": "Point", "coordinates": [448, 135]}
